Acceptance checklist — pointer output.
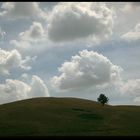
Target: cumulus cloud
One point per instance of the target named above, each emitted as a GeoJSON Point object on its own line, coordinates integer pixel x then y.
{"type": "Point", "coordinates": [137, 100]}
{"type": "Point", "coordinates": [71, 21]}
{"type": "Point", "coordinates": [131, 6]}
{"type": "Point", "coordinates": [2, 34]}
{"type": "Point", "coordinates": [132, 35]}
{"type": "Point", "coordinates": [20, 43]}
{"type": "Point", "coordinates": [12, 60]}
{"type": "Point", "coordinates": [127, 8]}
{"type": "Point", "coordinates": [34, 34]}
{"type": "Point", "coordinates": [13, 90]}
{"type": "Point", "coordinates": [88, 69]}
{"type": "Point", "coordinates": [14, 10]}
{"type": "Point", "coordinates": [39, 88]}
{"type": "Point", "coordinates": [132, 89]}
{"type": "Point", "coordinates": [135, 4]}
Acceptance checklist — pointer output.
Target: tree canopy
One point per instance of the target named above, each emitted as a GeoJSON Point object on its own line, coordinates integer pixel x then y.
{"type": "Point", "coordinates": [102, 99]}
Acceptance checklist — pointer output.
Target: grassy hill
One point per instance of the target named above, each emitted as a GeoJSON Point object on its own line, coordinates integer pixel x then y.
{"type": "Point", "coordinates": [67, 116]}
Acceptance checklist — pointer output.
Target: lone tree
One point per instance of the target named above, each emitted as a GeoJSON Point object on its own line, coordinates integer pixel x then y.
{"type": "Point", "coordinates": [102, 99]}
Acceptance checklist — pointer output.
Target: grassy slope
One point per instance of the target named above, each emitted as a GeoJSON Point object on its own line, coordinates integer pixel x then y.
{"type": "Point", "coordinates": [67, 116]}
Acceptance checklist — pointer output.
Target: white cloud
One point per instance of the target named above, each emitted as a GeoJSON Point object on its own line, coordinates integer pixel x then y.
{"type": "Point", "coordinates": [130, 7]}
{"type": "Point", "coordinates": [39, 88]}
{"type": "Point", "coordinates": [34, 34]}
{"type": "Point", "coordinates": [135, 4]}
{"type": "Point", "coordinates": [13, 90]}
{"type": "Point", "coordinates": [71, 21]}
{"type": "Point", "coordinates": [132, 35]}
{"type": "Point", "coordinates": [88, 69]}
{"type": "Point", "coordinates": [24, 77]}
{"type": "Point", "coordinates": [137, 100]}
{"type": "Point", "coordinates": [20, 44]}
{"type": "Point", "coordinates": [12, 60]}
{"type": "Point", "coordinates": [14, 10]}
{"type": "Point", "coordinates": [2, 34]}
{"type": "Point", "coordinates": [127, 8]}
{"type": "Point", "coordinates": [132, 88]}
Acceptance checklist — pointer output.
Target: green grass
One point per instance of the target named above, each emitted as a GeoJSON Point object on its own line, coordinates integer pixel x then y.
{"type": "Point", "coordinates": [69, 117]}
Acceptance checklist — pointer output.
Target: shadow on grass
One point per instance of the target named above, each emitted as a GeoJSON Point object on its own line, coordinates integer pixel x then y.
{"type": "Point", "coordinates": [90, 116]}
{"type": "Point", "coordinates": [78, 109]}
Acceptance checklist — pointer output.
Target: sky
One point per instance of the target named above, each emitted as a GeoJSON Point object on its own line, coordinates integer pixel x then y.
{"type": "Point", "coordinates": [70, 49]}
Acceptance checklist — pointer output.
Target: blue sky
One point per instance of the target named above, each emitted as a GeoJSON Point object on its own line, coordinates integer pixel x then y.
{"type": "Point", "coordinates": [67, 49]}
